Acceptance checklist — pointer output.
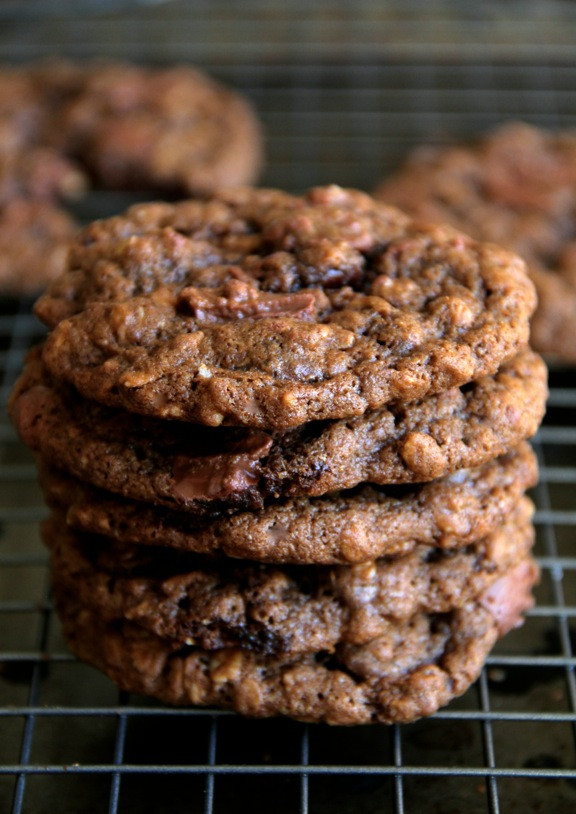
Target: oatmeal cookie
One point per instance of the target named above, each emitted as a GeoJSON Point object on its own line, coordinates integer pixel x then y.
{"type": "Point", "coordinates": [170, 130]}
{"type": "Point", "coordinates": [262, 309]}
{"type": "Point", "coordinates": [39, 174]}
{"type": "Point", "coordinates": [34, 240]}
{"type": "Point", "coordinates": [208, 470]}
{"type": "Point", "coordinates": [345, 527]}
{"type": "Point", "coordinates": [34, 179]}
{"type": "Point", "coordinates": [273, 609]}
{"type": "Point", "coordinates": [417, 666]}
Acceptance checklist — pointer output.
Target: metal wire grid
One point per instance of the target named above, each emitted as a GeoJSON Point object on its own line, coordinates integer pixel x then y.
{"type": "Point", "coordinates": [70, 742]}
{"type": "Point", "coordinates": [69, 739]}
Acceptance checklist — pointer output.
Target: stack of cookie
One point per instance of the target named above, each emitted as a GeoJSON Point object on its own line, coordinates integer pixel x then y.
{"type": "Point", "coordinates": [283, 441]}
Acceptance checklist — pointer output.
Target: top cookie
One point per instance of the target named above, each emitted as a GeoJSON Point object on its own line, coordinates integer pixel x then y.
{"type": "Point", "coordinates": [516, 187]}
{"type": "Point", "coordinates": [262, 309]}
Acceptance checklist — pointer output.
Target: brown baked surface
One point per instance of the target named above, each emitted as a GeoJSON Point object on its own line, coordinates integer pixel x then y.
{"type": "Point", "coordinates": [517, 187]}
{"type": "Point", "coordinates": [34, 179]}
{"type": "Point", "coordinates": [207, 470]}
{"type": "Point", "coordinates": [408, 672]}
{"type": "Point", "coordinates": [38, 173]}
{"type": "Point", "coordinates": [268, 310]}
{"type": "Point", "coordinates": [347, 527]}
{"type": "Point", "coordinates": [274, 609]}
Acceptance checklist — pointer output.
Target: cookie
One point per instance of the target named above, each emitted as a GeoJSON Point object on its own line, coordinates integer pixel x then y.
{"type": "Point", "coordinates": [164, 129]}
{"type": "Point", "coordinates": [22, 112]}
{"type": "Point", "coordinates": [272, 609]}
{"type": "Point", "coordinates": [348, 527]}
{"type": "Point", "coordinates": [515, 186]}
{"type": "Point", "coordinates": [40, 174]}
{"type": "Point", "coordinates": [34, 240]}
{"type": "Point", "coordinates": [262, 309]}
{"type": "Point", "coordinates": [34, 229]}
{"type": "Point", "coordinates": [416, 667]}
{"type": "Point", "coordinates": [167, 130]}
{"type": "Point", "coordinates": [208, 470]}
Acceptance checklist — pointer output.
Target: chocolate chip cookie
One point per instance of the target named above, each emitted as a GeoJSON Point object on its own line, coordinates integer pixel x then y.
{"type": "Point", "coordinates": [34, 240]}
{"type": "Point", "coordinates": [346, 527]}
{"type": "Point", "coordinates": [34, 228]}
{"type": "Point", "coordinates": [409, 671]}
{"type": "Point", "coordinates": [208, 470]}
{"type": "Point", "coordinates": [262, 309]}
{"type": "Point", "coordinates": [515, 186]}
{"type": "Point", "coordinates": [273, 609]}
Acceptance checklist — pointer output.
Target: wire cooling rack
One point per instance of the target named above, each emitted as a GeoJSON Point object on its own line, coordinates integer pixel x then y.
{"type": "Point", "coordinates": [344, 92]}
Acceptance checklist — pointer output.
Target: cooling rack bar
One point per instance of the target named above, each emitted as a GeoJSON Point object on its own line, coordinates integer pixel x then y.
{"type": "Point", "coordinates": [558, 474]}
{"type": "Point", "coordinates": [557, 435]}
{"type": "Point", "coordinates": [17, 560]}
{"type": "Point", "coordinates": [18, 472]}
{"type": "Point", "coordinates": [532, 661]}
{"type": "Point", "coordinates": [311, 770]}
{"type": "Point", "coordinates": [168, 712]}
{"type": "Point", "coordinates": [33, 515]}
{"type": "Point", "coordinates": [20, 606]}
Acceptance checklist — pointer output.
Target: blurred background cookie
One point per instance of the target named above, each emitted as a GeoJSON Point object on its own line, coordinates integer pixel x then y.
{"type": "Point", "coordinates": [515, 186]}
{"type": "Point", "coordinates": [65, 127]}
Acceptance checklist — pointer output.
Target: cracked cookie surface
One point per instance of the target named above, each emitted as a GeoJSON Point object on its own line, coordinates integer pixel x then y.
{"type": "Point", "coordinates": [208, 470]}
{"type": "Point", "coordinates": [273, 609]}
{"type": "Point", "coordinates": [262, 309]}
{"type": "Point", "coordinates": [417, 666]}
{"type": "Point", "coordinates": [347, 527]}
